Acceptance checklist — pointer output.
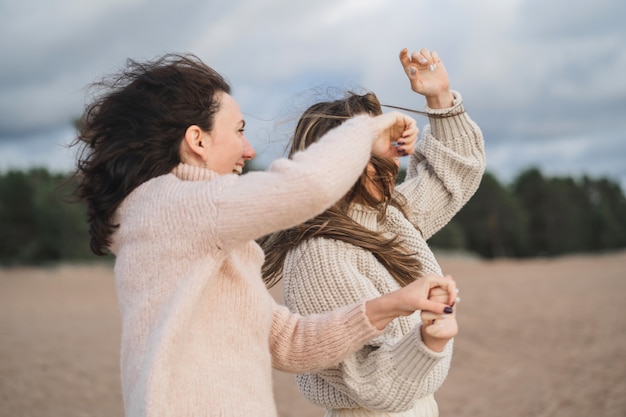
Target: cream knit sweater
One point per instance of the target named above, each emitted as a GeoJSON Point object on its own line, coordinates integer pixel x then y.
{"type": "Point", "coordinates": [200, 332]}
{"type": "Point", "coordinates": [395, 371]}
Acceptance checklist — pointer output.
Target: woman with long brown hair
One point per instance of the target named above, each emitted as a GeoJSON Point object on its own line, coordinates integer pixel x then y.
{"type": "Point", "coordinates": [373, 242]}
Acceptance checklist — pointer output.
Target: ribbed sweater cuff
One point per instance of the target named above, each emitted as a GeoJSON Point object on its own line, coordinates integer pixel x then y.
{"type": "Point", "coordinates": [413, 359]}
{"type": "Point", "coordinates": [451, 122]}
{"type": "Point", "coordinates": [323, 341]}
{"type": "Point", "coordinates": [347, 329]}
{"type": "Point", "coordinates": [356, 320]}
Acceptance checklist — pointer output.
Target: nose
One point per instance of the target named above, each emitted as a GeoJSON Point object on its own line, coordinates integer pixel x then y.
{"type": "Point", "coordinates": [248, 151]}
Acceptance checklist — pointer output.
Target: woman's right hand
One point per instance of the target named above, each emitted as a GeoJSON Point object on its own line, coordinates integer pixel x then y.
{"type": "Point", "coordinates": [410, 298]}
{"type": "Point", "coordinates": [397, 135]}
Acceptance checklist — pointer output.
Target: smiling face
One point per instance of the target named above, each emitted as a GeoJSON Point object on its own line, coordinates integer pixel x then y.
{"type": "Point", "coordinates": [226, 147]}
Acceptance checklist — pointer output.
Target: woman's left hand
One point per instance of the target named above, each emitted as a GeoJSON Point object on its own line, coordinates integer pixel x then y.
{"type": "Point", "coordinates": [428, 76]}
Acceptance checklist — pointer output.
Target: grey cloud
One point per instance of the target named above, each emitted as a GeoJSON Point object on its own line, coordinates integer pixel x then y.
{"type": "Point", "coordinates": [533, 73]}
{"type": "Point", "coordinates": [47, 68]}
{"type": "Point", "coordinates": [563, 19]}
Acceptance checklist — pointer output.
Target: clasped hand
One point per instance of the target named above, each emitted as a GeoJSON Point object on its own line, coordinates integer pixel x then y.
{"type": "Point", "coordinates": [438, 326]}
{"type": "Point", "coordinates": [397, 135]}
{"type": "Point", "coordinates": [437, 309]}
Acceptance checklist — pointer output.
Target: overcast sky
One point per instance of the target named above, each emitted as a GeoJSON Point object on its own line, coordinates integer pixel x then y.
{"type": "Point", "coordinates": [545, 79]}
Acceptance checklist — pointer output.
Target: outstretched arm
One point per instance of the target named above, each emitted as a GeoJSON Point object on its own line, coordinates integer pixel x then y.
{"type": "Point", "coordinates": [449, 160]}
{"type": "Point", "coordinates": [428, 77]}
{"type": "Point", "coordinates": [311, 343]}
{"type": "Point", "coordinates": [294, 190]}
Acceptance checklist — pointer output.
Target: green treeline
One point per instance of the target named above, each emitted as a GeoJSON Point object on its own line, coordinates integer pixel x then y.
{"type": "Point", "coordinates": [37, 223]}
{"type": "Point", "coordinates": [538, 216]}
{"type": "Point", "coordinates": [533, 216]}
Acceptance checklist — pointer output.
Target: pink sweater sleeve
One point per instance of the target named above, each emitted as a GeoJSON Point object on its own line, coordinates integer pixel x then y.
{"type": "Point", "coordinates": [301, 344]}
{"type": "Point", "coordinates": [294, 190]}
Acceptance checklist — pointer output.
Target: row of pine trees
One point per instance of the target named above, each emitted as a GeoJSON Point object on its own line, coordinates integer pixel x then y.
{"type": "Point", "coordinates": [533, 216]}
{"type": "Point", "coordinates": [538, 216]}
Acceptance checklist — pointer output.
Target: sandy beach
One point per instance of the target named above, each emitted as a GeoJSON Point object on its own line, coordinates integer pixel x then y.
{"type": "Point", "coordinates": [538, 338]}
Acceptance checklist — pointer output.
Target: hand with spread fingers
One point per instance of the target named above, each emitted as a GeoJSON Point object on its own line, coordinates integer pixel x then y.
{"type": "Point", "coordinates": [428, 76]}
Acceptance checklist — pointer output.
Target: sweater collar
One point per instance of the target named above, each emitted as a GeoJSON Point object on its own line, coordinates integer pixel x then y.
{"type": "Point", "coordinates": [187, 172]}
{"type": "Point", "coordinates": [364, 215]}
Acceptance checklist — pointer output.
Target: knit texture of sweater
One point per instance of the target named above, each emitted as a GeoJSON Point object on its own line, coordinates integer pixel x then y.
{"type": "Point", "coordinates": [200, 332]}
{"type": "Point", "coordinates": [396, 370]}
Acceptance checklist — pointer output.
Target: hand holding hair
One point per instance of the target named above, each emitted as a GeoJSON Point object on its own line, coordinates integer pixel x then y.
{"type": "Point", "coordinates": [397, 135]}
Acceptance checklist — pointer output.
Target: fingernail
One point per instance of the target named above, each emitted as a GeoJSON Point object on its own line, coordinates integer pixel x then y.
{"type": "Point", "coordinates": [448, 310]}
{"type": "Point", "coordinates": [423, 60]}
{"type": "Point", "coordinates": [458, 300]}
{"type": "Point", "coordinates": [432, 67]}
{"type": "Point", "coordinates": [457, 290]}
{"type": "Point", "coordinates": [400, 142]}
{"type": "Point", "coordinates": [412, 70]}
{"type": "Point", "coordinates": [395, 144]}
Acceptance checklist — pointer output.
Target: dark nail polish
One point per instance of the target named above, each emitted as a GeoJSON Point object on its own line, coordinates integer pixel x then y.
{"type": "Point", "coordinates": [448, 310]}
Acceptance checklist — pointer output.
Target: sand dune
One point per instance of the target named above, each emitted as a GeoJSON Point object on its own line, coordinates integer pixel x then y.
{"type": "Point", "coordinates": [540, 338]}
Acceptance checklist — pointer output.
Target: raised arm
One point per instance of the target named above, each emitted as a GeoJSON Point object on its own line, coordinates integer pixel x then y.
{"type": "Point", "coordinates": [448, 163]}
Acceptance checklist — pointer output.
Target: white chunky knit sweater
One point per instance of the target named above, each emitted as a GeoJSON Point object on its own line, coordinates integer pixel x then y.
{"type": "Point", "coordinates": [395, 371]}
{"type": "Point", "coordinates": [200, 332]}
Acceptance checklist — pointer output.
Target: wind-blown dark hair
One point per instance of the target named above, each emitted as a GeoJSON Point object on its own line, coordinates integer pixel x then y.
{"type": "Point", "coordinates": [335, 223]}
{"type": "Point", "coordinates": [132, 131]}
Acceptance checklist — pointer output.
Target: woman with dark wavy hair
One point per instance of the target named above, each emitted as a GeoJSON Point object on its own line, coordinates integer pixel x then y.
{"type": "Point", "coordinates": [373, 242]}
{"type": "Point", "coordinates": [162, 147]}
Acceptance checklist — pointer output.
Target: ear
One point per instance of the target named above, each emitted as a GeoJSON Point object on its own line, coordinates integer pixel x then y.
{"type": "Point", "coordinates": [193, 149]}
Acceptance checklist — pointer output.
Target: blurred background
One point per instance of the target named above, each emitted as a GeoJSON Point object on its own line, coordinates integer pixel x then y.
{"type": "Point", "coordinates": [544, 80]}
{"type": "Point", "coordinates": [538, 251]}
